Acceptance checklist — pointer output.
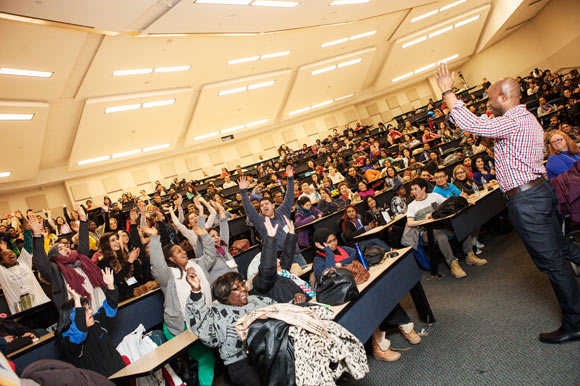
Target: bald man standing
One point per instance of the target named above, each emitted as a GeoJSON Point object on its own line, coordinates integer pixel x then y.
{"type": "Point", "coordinates": [518, 148]}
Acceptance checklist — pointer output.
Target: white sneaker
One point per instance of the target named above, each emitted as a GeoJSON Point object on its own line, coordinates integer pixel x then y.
{"type": "Point", "coordinates": [478, 245]}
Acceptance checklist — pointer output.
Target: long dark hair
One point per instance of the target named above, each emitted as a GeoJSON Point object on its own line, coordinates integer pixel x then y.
{"type": "Point", "coordinates": [115, 260]}
{"type": "Point", "coordinates": [345, 218]}
{"type": "Point", "coordinates": [167, 253]}
{"type": "Point", "coordinates": [64, 318]}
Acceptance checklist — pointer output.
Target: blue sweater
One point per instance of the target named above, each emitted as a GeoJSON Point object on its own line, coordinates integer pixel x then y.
{"type": "Point", "coordinates": [321, 263]}
{"type": "Point", "coordinates": [560, 163]}
{"type": "Point", "coordinates": [451, 190]}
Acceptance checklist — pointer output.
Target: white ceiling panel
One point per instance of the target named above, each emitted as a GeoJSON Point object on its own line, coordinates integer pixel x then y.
{"type": "Point", "coordinates": [28, 47]}
{"type": "Point", "coordinates": [100, 134]}
{"type": "Point", "coordinates": [23, 139]}
{"type": "Point", "coordinates": [189, 17]}
{"type": "Point", "coordinates": [311, 92]}
{"type": "Point", "coordinates": [442, 41]}
{"type": "Point", "coordinates": [242, 107]}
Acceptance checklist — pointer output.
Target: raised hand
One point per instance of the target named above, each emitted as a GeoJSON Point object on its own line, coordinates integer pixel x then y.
{"type": "Point", "coordinates": [149, 231]}
{"type": "Point", "coordinates": [444, 79]}
{"type": "Point", "coordinates": [198, 230]}
{"type": "Point", "coordinates": [289, 171]}
{"type": "Point", "coordinates": [289, 224]}
{"type": "Point", "coordinates": [35, 225]}
{"type": "Point", "coordinates": [270, 230]}
{"type": "Point", "coordinates": [141, 206]}
{"type": "Point", "coordinates": [158, 215]}
{"type": "Point", "coordinates": [133, 255]}
{"type": "Point", "coordinates": [134, 216]}
{"type": "Point", "coordinates": [109, 278]}
{"type": "Point", "coordinates": [74, 226]}
{"type": "Point", "coordinates": [243, 183]}
{"type": "Point", "coordinates": [74, 295]}
{"type": "Point", "coordinates": [178, 201]}
{"type": "Point", "coordinates": [82, 215]}
{"type": "Point", "coordinates": [193, 280]}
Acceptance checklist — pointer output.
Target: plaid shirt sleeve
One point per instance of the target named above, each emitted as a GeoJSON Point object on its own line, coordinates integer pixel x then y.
{"type": "Point", "coordinates": [500, 127]}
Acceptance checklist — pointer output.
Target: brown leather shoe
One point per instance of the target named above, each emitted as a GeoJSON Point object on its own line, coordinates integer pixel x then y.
{"type": "Point", "coordinates": [457, 271]}
{"type": "Point", "coordinates": [387, 355]}
{"type": "Point", "coordinates": [472, 259]}
{"type": "Point", "coordinates": [412, 337]}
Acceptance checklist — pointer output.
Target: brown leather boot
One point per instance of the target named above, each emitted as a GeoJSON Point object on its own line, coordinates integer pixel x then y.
{"type": "Point", "coordinates": [457, 271]}
{"type": "Point", "coordinates": [387, 355]}
{"type": "Point", "coordinates": [472, 259]}
{"type": "Point", "coordinates": [412, 337]}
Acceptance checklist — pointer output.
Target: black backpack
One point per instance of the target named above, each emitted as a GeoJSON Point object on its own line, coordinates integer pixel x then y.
{"type": "Point", "coordinates": [374, 255]}
{"type": "Point", "coordinates": [450, 206]}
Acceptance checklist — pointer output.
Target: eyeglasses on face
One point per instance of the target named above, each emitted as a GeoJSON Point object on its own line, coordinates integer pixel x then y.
{"type": "Point", "coordinates": [557, 140]}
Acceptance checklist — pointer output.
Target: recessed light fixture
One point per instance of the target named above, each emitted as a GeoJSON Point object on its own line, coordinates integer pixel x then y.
{"type": "Point", "coordinates": [5, 174]}
{"type": "Point", "coordinates": [425, 15]}
{"type": "Point", "coordinates": [446, 7]}
{"type": "Point", "coordinates": [133, 72]}
{"type": "Point", "coordinates": [224, 2]}
{"type": "Point", "coordinates": [346, 2]}
{"type": "Point", "coordinates": [299, 111]}
{"type": "Point", "coordinates": [244, 60]}
{"type": "Point", "coordinates": [160, 35]}
{"type": "Point", "coordinates": [425, 68]}
{"type": "Point", "coordinates": [403, 76]}
{"type": "Point", "coordinates": [344, 97]}
{"type": "Point", "coordinates": [324, 69]}
{"type": "Point", "coordinates": [18, 72]}
{"type": "Point", "coordinates": [344, 40]}
{"type": "Point", "coordinates": [232, 90]}
{"type": "Point", "coordinates": [209, 135]}
{"type": "Point", "coordinates": [256, 123]}
{"type": "Point", "coordinates": [172, 69]}
{"type": "Point", "coordinates": [266, 3]}
{"type": "Point", "coordinates": [467, 21]}
{"type": "Point", "coordinates": [416, 41]}
{"type": "Point", "coordinates": [349, 63]}
{"type": "Point", "coordinates": [16, 117]}
{"type": "Point", "coordinates": [275, 55]}
{"type": "Point", "coordinates": [325, 103]}
{"type": "Point", "coordinates": [166, 102]}
{"type": "Point", "coordinates": [235, 128]}
{"type": "Point", "coordinates": [93, 160]}
{"type": "Point", "coordinates": [441, 31]}
{"type": "Point", "coordinates": [157, 147]}
{"type": "Point", "coordinates": [448, 59]}
{"type": "Point", "coordinates": [116, 109]}
{"type": "Point", "coordinates": [260, 85]}
{"type": "Point", "coordinates": [126, 153]}
{"type": "Point", "coordinates": [240, 34]}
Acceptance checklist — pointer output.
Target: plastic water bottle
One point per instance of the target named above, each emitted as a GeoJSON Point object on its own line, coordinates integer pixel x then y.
{"type": "Point", "coordinates": [484, 183]}
{"type": "Point", "coordinates": [475, 189]}
{"type": "Point", "coordinates": [361, 256]}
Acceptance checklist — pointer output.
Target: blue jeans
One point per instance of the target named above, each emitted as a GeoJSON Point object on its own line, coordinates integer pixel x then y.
{"type": "Point", "coordinates": [298, 258]}
{"type": "Point", "coordinates": [534, 216]}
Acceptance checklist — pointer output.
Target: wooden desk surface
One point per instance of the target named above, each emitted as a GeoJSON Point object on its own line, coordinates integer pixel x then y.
{"type": "Point", "coordinates": [380, 228]}
{"type": "Point", "coordinates": [375, 271]}
{"type": "Point", "coordinates": [157, 357]}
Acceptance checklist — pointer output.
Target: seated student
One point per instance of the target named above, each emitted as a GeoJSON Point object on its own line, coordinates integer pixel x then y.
{"type": "Point", "coordinates": [351, 224]}
{"type": "Point", "coordinates": [373, 215]}
{"type": "Point", "coordinates": [334, 175]}
{"type": "Point", "coordinates": [214, 324]}
{"type": "Point", "coordinates": [330, 255]}
{"type": "Point", "coordinates": [399, 201]}
{"type": "Point", "coordinates": [563, 153]}
{"type": "Point", "coordinates": [445, 188]}
{"type": "Point", "coordinates": [329, 186]}
{"type": "Point", "coordinates": [346, 196]}
{"type": "Point", "coordinates": [224, 261]}
{"type": "Point", "coordinates": [83, 337]}
{"type": "Point", "coordinates": [326, 204]}
{"type": "Point", "coordinates": [352, 178]}
{"type": "Point", "coordinates": [481, 172]}
{"type": "Point", "coordinates": [364, 190]}
{"type": "Point", "coordinates": [274, 278]}
{"type": "Point", "coordinates": [462, 181]}
{"type": "Point", "coordinates": [392, 180]}
{"type": "Point", "coordinates": [424, 155]}
{"type": "Point", "coordinates": [309, 193]}
{"type": "Point", "coordinates": [418, 212]}
{"type": "Point", "coordinates": [63, 266]}
{"type": "Point", "coordinates": [305, 213]}
{"type": "Point", "coordinates": [170, 267]}
{"type": "Point", "coordinates": [191, 220]}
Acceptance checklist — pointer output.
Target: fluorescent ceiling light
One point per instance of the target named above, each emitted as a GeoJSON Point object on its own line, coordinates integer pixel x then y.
{"type": "Point", "coordinates": [441, 31]}
{"type": "Point", "coordinates": [160, 35]}
{"type": "Point", "coordinates": [226, 2]}
{"type": "Point", "coordinates": [260, 85]}
{"type": "Point", "coordinates": [402, 77]}
{"type": "Point", "coordinates": [16, 117]}
{"type": "Point", "coordinates": [349, 63]}
{"type": "Point", "coordinates": [233, 90]}
{"type": "Point", "coordinates": [16, 71]}
{"type": "Point", "coordinates": [172, 69]}
{"type": "Point", "coordinates": [322, 104]}
{"type": "Point", "coordinates": [232, 129]}
{"type": "Point", "coordinates": [298, 111]}
{"type": "Point", "coordinates": [244, 60]}
{"type": "Point", "coordinates": [424, 68]}
{"type": "Point", "coordinates": [451, 5]}
{"type": "Point", "coordinates": [93, 160]}
{"type": "Point", "coordinates": [275, 55]}
{"type": "Point", "coordinates": [5, 174]}
{"type": "Point", "coordinates": [467, 21]}
{"type": "Point", "coordinates": [256, 123]}
{"type": "Point", "coordinates": [126, 153]}
{"type": "Point", "coordinates": [363, 35]}
{"type": "Point", "coordinates": [334, 42]}
{"type": "Point", "coordinates": [416, 41]}
{"type": "Point", "coordinates": [157, 147]}
{"type": "Point", "coordinates": [133, 72]}
{"type": "Point", "coordinates": [266, 3]}
{"type": "Point", "coordinates": [425, 15]}
{"type": "Point", "coordinates": [448, 59]}
{"type": "Point", "coordinates": [122, 108]}
{"type": "Point", "coordinates": [206, 136]}
{"type": "Point", "coordinates": [344, 97]}
{"type": "Point", "coordinates": [324, 69]}
{"type": "Point", "coordinates": [166, 102]}
{"type": "Point", "coordinates": [240, 34]}
{"type": "Point", "coordinates": [345, 2]}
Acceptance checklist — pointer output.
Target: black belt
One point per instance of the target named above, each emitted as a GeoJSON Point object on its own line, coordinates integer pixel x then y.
{"type": "Point", "coordinates": [524, 187]}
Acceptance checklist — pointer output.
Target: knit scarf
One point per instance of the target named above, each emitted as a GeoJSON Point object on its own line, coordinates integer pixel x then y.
{"type": "Point", "coordinates": [307, 213]}
{"type": "Point", "coordinates": [73, 278]}
{"type": "Point", "coordinates": [339, 255]}
{"type": "Point", "coordinates": [305, 287]}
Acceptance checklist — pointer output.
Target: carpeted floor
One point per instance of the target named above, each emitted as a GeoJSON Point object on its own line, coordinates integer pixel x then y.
{"type": "Point", "coordinates": [486, 330]}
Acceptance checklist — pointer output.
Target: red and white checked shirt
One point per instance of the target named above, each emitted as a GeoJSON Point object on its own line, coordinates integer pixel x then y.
{"type": "Point", "coordinates": [519, 145]}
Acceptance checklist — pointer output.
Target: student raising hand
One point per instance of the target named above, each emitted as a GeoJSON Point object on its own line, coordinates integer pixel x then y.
{"type": "Point", "coordinates": [271, 230]}
{"type": "Point", "coordinates": [109, 278]}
